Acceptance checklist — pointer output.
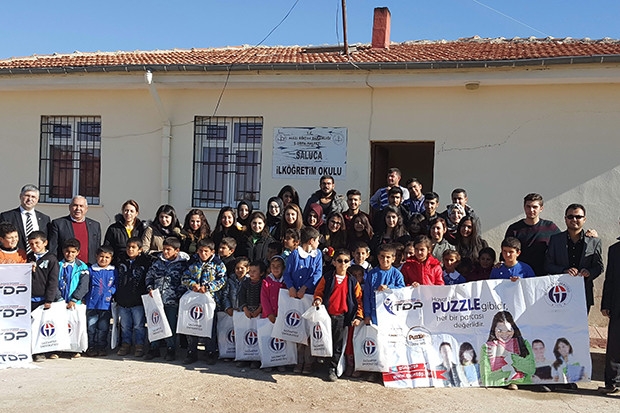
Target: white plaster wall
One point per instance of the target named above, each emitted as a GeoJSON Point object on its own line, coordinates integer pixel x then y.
{"type": "Point", "coordinates": [499, 142]}
{"type": "Point", "coordinates": [130, 147]}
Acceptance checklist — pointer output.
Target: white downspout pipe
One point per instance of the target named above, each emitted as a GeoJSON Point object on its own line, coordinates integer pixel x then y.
{"type": "Point", "coordinates": [166, 139]}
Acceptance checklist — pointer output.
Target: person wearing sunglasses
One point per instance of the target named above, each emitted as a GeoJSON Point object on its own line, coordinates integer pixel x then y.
{"type": "Point", "coordinates": [342, 296]}
{"type": "Point", "coordinates": [572, 252]}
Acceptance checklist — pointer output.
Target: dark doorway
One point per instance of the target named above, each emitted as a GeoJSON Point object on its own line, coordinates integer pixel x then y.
{"type": "Point", "coordinates": [414, 159]}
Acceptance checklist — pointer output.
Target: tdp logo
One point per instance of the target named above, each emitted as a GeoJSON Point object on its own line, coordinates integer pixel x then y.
{"type": "Point", "coordinates": [9, 312]}
{"type": "Point", "coordinates": [13, 289]}
{"type": "Point", "coordinates": [14, 335]}
{"type": "Point", "coordinates": [69, 327]}
{"type": "Point", "coordinates": [370, 347]}
{"type": "Point", "coordinates": [230, 336]}
{"type": "Point", "coordinates": [196, 313]}
{"type": "Point", "coordinates": [391, 306]}
{"type": "Point", "coordinates": [155, 317]}
{"type": "Point", "coordinates": [251, 338]}
{"type": "Point", "coordinates": [293, 318]}
{"type": "Point", "coordinates": [48, 329]}
{"type": "Point", "coordinates": [558, 295]}
{"type": "Point", "coordinates": [277, 345]}
{"type": "Point", "coordinates": [13, 357]}
{"type": "Point", "coordinates": [317, 332]}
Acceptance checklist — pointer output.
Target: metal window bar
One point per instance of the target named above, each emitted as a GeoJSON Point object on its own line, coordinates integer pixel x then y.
{"type": "Point", "coordinates": [227, 159]}
{"type": "Point", "coordinates": [70, 158]}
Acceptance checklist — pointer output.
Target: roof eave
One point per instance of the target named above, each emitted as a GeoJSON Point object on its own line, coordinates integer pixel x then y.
{"type": "Point", "coordinates": [536, 62]}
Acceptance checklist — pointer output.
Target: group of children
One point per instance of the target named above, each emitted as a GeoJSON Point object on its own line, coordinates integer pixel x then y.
{"type": "Point", "coordinates": [346, 286]}
{"type": "Point", "coordinates": [420, 267]}
{"type": "Point", "coordinates": [69, 280]}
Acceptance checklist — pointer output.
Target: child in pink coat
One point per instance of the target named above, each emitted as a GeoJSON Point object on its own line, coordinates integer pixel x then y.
{"type": "Point", "coordinates": [272, 284]}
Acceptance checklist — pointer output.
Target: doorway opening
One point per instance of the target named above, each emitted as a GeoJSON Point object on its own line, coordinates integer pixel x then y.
{"type": "Point", "coordinates": [414, 159]}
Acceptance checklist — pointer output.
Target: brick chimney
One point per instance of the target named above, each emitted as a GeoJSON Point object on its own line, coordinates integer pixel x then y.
{"type": "Point", "coordinates": [381, 28]}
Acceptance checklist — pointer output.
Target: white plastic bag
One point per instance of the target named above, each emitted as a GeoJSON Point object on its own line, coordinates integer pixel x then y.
{"type": "Point", "coordinates": [246, 338]}
{"type": "Point", "coordinates": [274, 351]}
{"type": "Point", "coordinates": [156, 321]}
{"type": "Point", "coordinates": [342, 363]}
{"type": "Point", "coordinates": [196, 312]}
{"type": "Point", "coordinates": [320, 326]}
{"type": "Point", "coordinates": [78, 328]}
{"type": "Point", "coordinates": [116, 324]}
{"type": "Point", "coordinates": [225, 336]}
{"type": "Point", "coordinates": [290, 325]}
{"type": "Point", "coordinates": [367, 349]}
{"type": "Point", "coordinates": [50, 329]}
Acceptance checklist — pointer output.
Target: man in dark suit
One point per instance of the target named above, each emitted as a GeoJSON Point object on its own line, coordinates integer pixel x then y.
{"type": "Point", "coordinates": [572, 252]}
{"type": "Point", "coordinates": [76, 225]}
{"type": "Point", "coordinates": [28, 199]}
{"type": "Point", "coordinates": [610, 307]}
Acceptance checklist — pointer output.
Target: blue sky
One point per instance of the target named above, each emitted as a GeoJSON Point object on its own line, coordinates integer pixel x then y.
{"type": "Point", "coordinates": [63, 26]}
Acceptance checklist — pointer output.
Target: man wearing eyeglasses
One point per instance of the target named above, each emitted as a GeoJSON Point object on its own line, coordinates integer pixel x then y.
{"type": "Point", "coordinates": [572, 252]}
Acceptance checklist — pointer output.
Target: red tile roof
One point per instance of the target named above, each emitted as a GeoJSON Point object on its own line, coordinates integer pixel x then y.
{"type": "Point", "coordinates": [463, 51]}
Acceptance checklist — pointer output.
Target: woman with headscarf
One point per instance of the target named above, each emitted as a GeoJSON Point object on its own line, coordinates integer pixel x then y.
{"type": "Point", "coordinates": [288, 195]}
{"type": "Point", "coordinates": [274, 215]}
{"type": "Point", "coordinates": [244, 210]}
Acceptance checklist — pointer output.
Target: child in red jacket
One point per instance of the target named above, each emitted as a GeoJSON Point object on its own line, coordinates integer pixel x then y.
{"type": "Point", "coordinates": [342, 296]}
{"type": "Point", "coordinates": [422, 268]}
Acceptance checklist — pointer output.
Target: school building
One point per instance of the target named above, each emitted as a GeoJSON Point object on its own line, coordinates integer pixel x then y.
{"type": "Point", "coordinates": [208, 127]}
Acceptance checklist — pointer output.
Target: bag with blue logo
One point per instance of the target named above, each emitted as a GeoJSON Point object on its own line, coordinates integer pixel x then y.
{"type": "Point", "coordinates": [156, 320]}
{"type": "Point", "coordinates": [50, 329]}
{"type": "Point", "coordinates": [225, 336]}
{"type": "Point", "coordinates": [320, 326]}
{"type": "Point", "coordinates": [196, 311]}
{"type": "Point", "coordinates": [290, 325]}
{"type": "Point", "coordinates": [78, 329]}
{"type": "Point", "coordinates": [246, 338]}
{"type": "Point", "coordinates": [367, 349]}
{"type": "Point", "coordinates": [274, 351]}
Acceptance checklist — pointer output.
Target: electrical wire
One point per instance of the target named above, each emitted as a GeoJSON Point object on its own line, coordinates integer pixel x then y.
{"type": "Point", "coordinates": [511, 18]}
{"type": "Point", "coordinates": [337, 21]}
{"type": "Point", "coordinates": [229, 67]}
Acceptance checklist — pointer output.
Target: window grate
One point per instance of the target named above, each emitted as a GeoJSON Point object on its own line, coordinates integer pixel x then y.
{"type": "Point", "coordinates": [227, 161]}
{"type": "Point", "coordinates": [70, 158]}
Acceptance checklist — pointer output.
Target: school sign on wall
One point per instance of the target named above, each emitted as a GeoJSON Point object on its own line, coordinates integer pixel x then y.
{"type": "Point", "coordinates": [309, 153]}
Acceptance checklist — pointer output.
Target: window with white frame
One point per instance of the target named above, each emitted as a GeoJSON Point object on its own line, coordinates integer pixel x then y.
{"type": "Point", "coordinates": [70, 158]}
{"type": "Point", "coordinates": [227, 160]}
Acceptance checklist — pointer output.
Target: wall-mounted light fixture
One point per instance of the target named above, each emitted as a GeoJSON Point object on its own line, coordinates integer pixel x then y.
{"type": "Point", "coordinates": [472, 85]}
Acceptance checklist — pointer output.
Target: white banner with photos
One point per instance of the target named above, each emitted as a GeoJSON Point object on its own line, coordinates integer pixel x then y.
{"type": "Point", "coordinates": [485, 333]}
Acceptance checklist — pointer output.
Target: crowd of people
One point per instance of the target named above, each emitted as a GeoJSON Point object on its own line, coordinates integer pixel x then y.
{"type": "Point", "coordinates": [327, 247]}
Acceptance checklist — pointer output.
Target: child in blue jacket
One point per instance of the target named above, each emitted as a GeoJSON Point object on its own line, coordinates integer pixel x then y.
{"type": "Point", "coordinates": [99, 300]}
{"type": "Point", "coordinates": [304, 269]}
{"type": "Point", "coordinates": [206, 273]}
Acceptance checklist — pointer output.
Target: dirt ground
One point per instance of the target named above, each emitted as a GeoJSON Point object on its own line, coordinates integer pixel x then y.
{"type": "Point", "coordinates": [116, 384]}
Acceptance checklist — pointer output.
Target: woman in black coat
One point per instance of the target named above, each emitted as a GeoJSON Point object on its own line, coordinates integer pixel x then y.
{"type": "Point", "coordinates": [127, 225]}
